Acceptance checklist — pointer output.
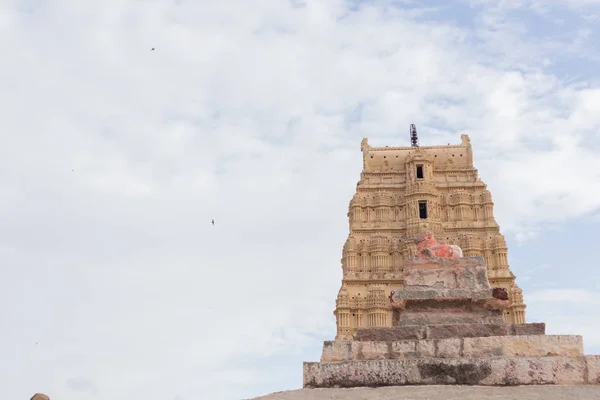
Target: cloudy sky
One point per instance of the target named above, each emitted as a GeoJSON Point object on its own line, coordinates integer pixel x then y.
{"type": "Point", "coordinates": [114, 159]}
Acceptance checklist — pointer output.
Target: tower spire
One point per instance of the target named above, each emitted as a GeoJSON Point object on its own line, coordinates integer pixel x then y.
{"type": "Point", "coordinates": [414, 139]}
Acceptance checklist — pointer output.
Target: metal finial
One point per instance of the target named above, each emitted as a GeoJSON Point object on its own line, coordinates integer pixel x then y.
{"type": "Point", "coordinates": [414, 139]}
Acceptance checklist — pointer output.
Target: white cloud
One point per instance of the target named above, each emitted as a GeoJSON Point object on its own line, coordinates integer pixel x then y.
{"type": "Point", "coordinates": [80, 384]}
{"type": "Point", "coordinates": [115, 158]}
{"type": "Point", "coordinates": [568, 312]}
{"type": "Point", "coordinates": [563, 296]}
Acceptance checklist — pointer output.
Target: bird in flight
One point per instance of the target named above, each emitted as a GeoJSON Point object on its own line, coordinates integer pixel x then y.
{"type": "Point", "coordinates": [152, 49]}
{"type": "Point", "coordinates": [213, 221]}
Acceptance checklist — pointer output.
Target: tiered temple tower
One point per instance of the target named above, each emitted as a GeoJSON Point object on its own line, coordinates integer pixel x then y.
{"type": "Point", "coordinates": [403, 191]}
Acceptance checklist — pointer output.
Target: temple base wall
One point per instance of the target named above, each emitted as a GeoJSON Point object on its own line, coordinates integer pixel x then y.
{"type": "Point", "coordinates": [459, 311]}
{"type": "Point", "coordinates": [493, 346]}
{"type": "Point", "coordinates": [496, 371]}
{"type": "Point", "coordinates": [450, 330]}
{"type": "Point", "coordinates": [443, 331]}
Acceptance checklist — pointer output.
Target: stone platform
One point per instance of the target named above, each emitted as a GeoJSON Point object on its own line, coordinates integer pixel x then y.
{"type": "Point", "coordinates": [451, 331]}
{"type": "Point", "coordinates": [444, 392]}
{"type": "Point", "coordinates": [445, 331]}
{"type": "Point", "coordinates": [488, 371]}
{"type": "Point", "coordinates": [493, 346]}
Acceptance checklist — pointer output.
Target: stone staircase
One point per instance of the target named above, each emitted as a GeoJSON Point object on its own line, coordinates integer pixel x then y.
{"type": "Point", "coordinates": [450, 331]}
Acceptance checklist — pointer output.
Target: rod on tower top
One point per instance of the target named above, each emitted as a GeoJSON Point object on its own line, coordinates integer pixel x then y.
{"type": "Point", "coordinates": [414, 139]}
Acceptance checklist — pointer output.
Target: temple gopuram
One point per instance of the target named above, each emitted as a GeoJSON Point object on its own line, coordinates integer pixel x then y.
{"type": "Point", "coordinates": [427, 295]}
{"type": "Point", "coordinates": [404, 191]}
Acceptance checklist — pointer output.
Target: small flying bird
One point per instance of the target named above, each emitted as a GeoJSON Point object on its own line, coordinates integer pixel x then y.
{"type": "Point", "coordinates": [152, 49]}
{"type": "Point", "coordinates": [213, 221]}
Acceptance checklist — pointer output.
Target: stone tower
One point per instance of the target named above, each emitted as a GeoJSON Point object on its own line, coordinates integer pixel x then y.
{"type": "Point", "coordinates": [403, 191]}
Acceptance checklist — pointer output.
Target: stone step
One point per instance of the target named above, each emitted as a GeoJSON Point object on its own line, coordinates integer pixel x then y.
{"type": "Point", "coordinates": [499, 371]}
{"type": "Point", "coordinates": [445, 331]}
{"type": "Point", "coordinates": [448, 311]}
{"type": "Point", "coordinates": [493, 346]}
{"type": "Point", "coordinates": [448, 315]}
{"type": "Point", "coordinates": [442, 294]}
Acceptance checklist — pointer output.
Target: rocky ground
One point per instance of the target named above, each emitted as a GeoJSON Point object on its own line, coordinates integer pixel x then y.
{"type": "Point", "coordinates": [551, 392]}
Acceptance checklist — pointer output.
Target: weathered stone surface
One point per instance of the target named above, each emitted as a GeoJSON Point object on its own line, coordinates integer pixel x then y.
{"type": "Point", "coordinates": [441, 294]}
{"type": "Point", "coordinates": [493, 346]}
{"type": "Point", "coordinates": [457, 289]}
{"type": "Point", "coordinates": [467, 330]}
{"type": "Point", "coordinates": [442, 304]}
{"type": "Point", "coordinates": [523, 346]}
{"type": "Point", "coordinates": [394, 333]}
{"type": "Point", "coordinates": [409, 332]}
{"type": "Point", "coordinates": [497, 371]}
{"type": "Point", "coordinates": [437, 392]}
{"type": "Point", "coordinates": [448, 311]}
{"type": "Point", "coordinates": [40, 396]}
{"type": "Point", "coordinates": [538, 328]}
{"type": "Point", "coordinates": [593, 368]}
{"type": "Point", "coordinates": [446, 273]}
{"type": "Point", "coordinates": [430, 317]}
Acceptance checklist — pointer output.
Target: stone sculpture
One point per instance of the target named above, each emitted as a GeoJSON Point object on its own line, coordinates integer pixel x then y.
{"type": "Point", "coordinates": [428, 247]}
{"type": "Point", "coordinates": [500, 293]}
{"type": "Point", "coordinates": [364, 145]}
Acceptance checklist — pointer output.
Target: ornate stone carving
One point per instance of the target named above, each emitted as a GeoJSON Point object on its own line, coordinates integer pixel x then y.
{"type": "Point", "coordinates": [428, 247]}
{"type": "Point", "coordinates": [411, 250]}
{"type": "Point", "coordinates": [364, 145]}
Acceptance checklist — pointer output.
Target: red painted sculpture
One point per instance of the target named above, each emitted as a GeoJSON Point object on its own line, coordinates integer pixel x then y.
{"type": "Point", "coordinates": [428, 247]}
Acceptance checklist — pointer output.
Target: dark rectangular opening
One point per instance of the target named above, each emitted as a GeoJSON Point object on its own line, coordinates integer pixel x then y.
{"type": "Point", "coordinates": [423, 209]}
{"type": "Point", "coordinates": [419, 172]}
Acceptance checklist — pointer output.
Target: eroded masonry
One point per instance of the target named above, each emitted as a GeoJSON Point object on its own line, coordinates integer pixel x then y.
{"type": "Point", "coordinates": [404, 191]}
